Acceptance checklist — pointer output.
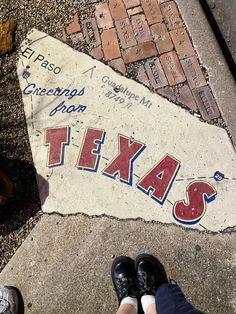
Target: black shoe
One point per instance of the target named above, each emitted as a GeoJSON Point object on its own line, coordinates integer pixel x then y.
{"type": "Point", "coordinates": [124, 277]}
{"type": "Point", "coordinates": [150, 274]}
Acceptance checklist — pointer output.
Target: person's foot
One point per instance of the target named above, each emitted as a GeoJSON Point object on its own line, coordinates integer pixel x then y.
{"type": "Point", "coordinates": [150, 274]}
{"type": "Point", "coordinates": [124, 277]}
{"type": "Point", "coordinates": [8, 300]}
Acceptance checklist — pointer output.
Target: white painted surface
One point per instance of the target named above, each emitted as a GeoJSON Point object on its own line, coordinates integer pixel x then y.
{"type": "Point", "coordinates": [164, 128]}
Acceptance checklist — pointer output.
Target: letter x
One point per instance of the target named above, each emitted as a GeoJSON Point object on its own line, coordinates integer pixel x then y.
{"type": "Point", "coordinates": [122, 164]}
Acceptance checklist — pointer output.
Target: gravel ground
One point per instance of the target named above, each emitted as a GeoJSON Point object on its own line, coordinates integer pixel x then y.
{"type": "Point", "coordinates": [22, 212]}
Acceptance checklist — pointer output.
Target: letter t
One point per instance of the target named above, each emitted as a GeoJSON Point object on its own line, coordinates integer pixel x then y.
{"type": "Point", "coordinates": [56, 139]}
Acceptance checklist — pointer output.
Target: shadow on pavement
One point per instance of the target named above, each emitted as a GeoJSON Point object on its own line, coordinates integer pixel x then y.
{"type": "Point", "coordinates": [222, 43]}
{"type": "Point", "coordinates": [24, 202]}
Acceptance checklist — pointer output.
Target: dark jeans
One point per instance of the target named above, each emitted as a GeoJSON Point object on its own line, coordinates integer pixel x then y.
{"type": "Point", "coordinates": [171, 300]}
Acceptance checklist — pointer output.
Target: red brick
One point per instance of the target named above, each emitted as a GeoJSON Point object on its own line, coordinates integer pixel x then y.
{"type": "Point", "coordinates": [142, 76]}
{"type": "Point", "coordinates": [134, 11]}
{"type": "Point", "coordinates": [118, 10]}
{"type": "Point", "coordinates": [155, 73]}
{"type": "Point", "coordinates": [206, 103]}
{"type": "Point", "coordinates": [182, 43]}
{"type": "Point", "coordinates": [186, 98]}
{"type": "Point", "coordinates": [193, 72]}
{"type": "Point", "coordinates": [139, 52]}
{"type": "Point", "coordinates": [119, 65]}
{"type": "Point", "coordinates": [110, 44]}
{"type": "Point", "coordinates": [152, 11]}
{"type": "Point", "coordinates": [77, 37]}
{"type": "Point", "coordinates": [172, 68]}
{"type": "Point", "coordinates": [103, 16]}
{"type": "Point", "coordinates": [141, 28]}
{"type": "Point", "coordinates": [90, 31]}
{"type": "Point", "coordinates": [125, 33]}
{"type": "Point", "coordinates": [171, 15]}
{"type": "Point", "coordinates": [131, 3]}
{"type": "Point", "coordinates": [167, 92]}
{"type": "Point", "coordinates": [97, 53]}
{"type": "Point", "coordinates": [161, 37]}
{"type": "Point", "coordinates": [74, 26]}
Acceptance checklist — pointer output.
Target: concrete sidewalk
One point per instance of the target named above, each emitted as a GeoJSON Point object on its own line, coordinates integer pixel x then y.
{"type": "Point", "coordinates": [64, 264]}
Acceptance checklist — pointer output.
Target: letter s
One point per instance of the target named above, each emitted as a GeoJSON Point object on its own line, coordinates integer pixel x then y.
{"type": "Point", "coordinates": [51, 67]}
{"type": "Point", "coordinates": [198, 194]}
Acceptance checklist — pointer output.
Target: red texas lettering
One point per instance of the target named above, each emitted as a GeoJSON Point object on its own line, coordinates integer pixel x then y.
{"type": "Point", "coordinates": [198, 194]}
{"type": "Point", "coordinates": [122, 164]}
{"type": "Point", "coordinates": [90, 152]}
{"type": "Point", "coordinates": [158, 181]}
{"type": "Point", "coordinates": [56, 139]}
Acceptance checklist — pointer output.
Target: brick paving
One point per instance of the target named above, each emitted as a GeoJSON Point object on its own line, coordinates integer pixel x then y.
{"type": "Point", "coordinates": [90, 31]}
{"type": "Point", "coordinates": [193, 72]}
{"type": "Point", "coordinates": [172, 67]}
{"type": "Point", "coordinates": [118, 64]}
{"type": "Point", "coordinates": [182, 43]}
{"type": "Point", "coordinates": [139, 52]}
{"type": "Point", "coordinates": [103, 16]}
{"type": "Point", "coordinates": [110, 44]}
{"type": "Point", "coordinates": [206, 103]}
{"type": "Point", "coordinates": [134, 11]}
{"type": "Point", "coordinates": [131, 3]}
{"type": "Point", "coordinates": [155, 73]}
{"type": "Point", "coordinates": [148, 41]}
{"type": "Point", "coordinates": [74, 26]}
{"type": "Point", "coordinates": [125, 33]}
{"type": "Point", "coordinates": [161, 37]}
{"type": "Point", "coordinates": [141, 28]}
{"type": "Point", "coordinates": [171, 15]}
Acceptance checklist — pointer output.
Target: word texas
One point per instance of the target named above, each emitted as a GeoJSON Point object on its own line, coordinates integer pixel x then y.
{"type": "Point", "coordinates": [156, 182]}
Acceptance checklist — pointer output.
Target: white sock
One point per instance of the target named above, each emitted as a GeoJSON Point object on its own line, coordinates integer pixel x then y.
{"type": "Point", "coordinates": [132, 301]}
{"type": "Point", "coordinates": [147, 300]}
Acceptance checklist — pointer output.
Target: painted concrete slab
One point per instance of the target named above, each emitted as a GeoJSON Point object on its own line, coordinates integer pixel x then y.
{"type": "Point", "coordinates": [104, 144]}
